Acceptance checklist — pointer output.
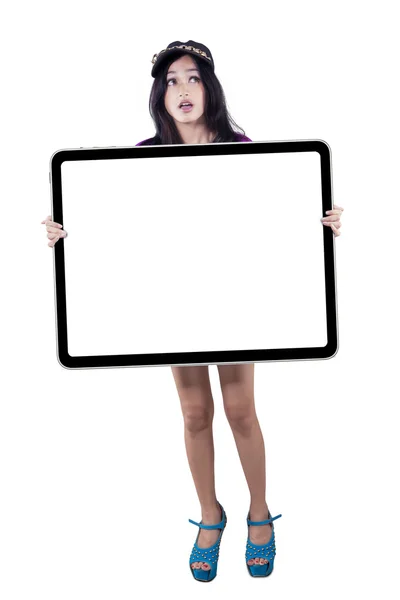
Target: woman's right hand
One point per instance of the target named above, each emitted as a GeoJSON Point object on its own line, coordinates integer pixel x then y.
{"type": "Point", "coordinates": [54, 231]}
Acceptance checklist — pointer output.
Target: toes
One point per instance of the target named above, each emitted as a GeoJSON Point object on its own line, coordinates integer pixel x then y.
{"type": "Point", "coordinates": [200, 566]}
{"type": "Point", "coordinates": [257, 561]}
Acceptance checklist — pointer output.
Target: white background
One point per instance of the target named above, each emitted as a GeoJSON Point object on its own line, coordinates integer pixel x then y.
{"type": "Point", "coordinates": [93, 473]}
{"type": "Point", "coordinates": [203, 269]}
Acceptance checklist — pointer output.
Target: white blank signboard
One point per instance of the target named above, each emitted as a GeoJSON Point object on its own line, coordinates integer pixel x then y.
{"type": "Point", "coordinates": [183, 255]}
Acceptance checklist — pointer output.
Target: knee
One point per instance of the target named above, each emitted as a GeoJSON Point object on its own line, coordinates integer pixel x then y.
{"type": "Point", "coordinates": [197, 418]}
{"type": "Point", "coordinates": [241, 415]}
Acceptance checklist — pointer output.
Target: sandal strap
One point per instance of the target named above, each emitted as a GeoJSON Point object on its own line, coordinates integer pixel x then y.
{"type": "Point", "coordinates": [262, 522]}
{"type": "Point", "coordinates": [219, 525]}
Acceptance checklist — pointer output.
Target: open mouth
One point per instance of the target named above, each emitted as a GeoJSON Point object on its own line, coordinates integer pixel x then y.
{"type": "Point", "coordinates": [186, 106]}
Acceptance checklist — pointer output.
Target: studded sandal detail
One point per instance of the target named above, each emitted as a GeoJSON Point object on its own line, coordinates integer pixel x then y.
{"type": "Point", "coordinates": [261, 551]}
{"type": "Point", "coordinates": [207, 555]}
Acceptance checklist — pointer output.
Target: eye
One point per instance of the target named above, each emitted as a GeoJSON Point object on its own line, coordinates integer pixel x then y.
{"type": "Point", "coordinates": [173, 79]}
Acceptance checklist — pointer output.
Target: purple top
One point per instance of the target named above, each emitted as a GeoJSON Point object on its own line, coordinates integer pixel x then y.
{"type": "Point", "coordinates": [238, 138]}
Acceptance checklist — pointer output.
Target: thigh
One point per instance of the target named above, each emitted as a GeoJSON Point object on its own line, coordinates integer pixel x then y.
{"type": "Point", "coordinates": [237, 380]}
{"type": "Point", "coordinates": [186, 377]}
{"type": "Point", "coordinates": [193, 385]}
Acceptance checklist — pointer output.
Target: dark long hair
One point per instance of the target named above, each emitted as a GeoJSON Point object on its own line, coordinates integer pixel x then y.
{"type": "Point", "coordinates": [216, 114]}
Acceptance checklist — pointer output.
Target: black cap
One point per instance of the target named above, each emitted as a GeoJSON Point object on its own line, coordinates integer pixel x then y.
{"type": "Point", "coordinates": [176, 48]}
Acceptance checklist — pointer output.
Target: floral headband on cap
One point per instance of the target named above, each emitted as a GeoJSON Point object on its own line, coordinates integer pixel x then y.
{"type": "Point", "coordinates": [176, 48]}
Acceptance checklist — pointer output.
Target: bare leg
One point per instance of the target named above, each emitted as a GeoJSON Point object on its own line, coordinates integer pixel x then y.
{"type": "Point", "coordinates": [237, 385]}
{"type": "Point", "coordinates": [197, 404]}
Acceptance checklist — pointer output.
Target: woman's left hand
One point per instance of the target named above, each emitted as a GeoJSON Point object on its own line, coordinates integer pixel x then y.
{"type": "Point", "coordinates": [333, 220]}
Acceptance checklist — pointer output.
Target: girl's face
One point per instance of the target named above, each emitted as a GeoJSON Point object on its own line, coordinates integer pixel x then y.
{"type": "Point", "coordinates": [184, 84]}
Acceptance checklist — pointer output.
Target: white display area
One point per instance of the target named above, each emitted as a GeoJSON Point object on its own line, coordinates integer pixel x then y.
{"type": "Point", "coordinates": [194, 253]}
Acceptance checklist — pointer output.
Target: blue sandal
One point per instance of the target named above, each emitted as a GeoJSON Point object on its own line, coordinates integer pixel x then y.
{"type": "Point", "coordinates": [265, 551]}
{"type": "Point", "coordinates": [209, 555]}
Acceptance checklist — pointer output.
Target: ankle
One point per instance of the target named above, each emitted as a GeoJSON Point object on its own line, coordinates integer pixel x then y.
{"type": "Point", "coordinates": [210, 511]}
{"type": "Point", "coordinates": [259, 511]}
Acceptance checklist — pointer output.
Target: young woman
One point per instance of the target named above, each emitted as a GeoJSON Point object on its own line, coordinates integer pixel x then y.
{"type": "Point", "coordinates": [187, 105]}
